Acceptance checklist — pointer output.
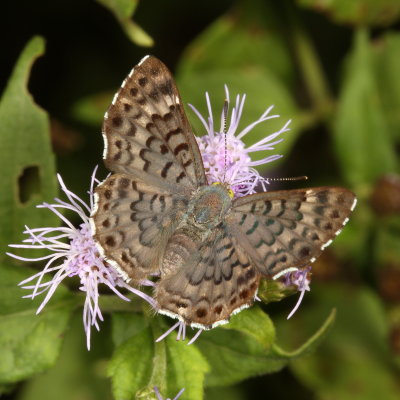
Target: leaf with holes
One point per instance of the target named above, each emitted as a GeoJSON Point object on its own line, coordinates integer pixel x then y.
{"type": "Point", "coordinates": [27, 162]}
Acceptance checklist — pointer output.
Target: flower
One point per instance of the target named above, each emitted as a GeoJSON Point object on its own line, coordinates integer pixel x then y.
{"type": "Point", "coordinates": [156, 391]}
{"type": "Point", "coordinates": [299, 278]}
{"type": "Point", "coordinates": [225, 156]}
{"type": "Point", "coordinates": [73, 252]}
{"type": "Point", "coordinates": [181, 332]}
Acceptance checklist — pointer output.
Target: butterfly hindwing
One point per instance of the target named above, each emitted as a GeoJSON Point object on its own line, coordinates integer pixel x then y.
{"type": "Point", "coordinates": [146, 131]}
{"type": "Point", "coordinates": [206, 286]}
{"type": "Point", "coordinates": [289, 228]}
{"type": "Point", "coordinates": [133, 222]}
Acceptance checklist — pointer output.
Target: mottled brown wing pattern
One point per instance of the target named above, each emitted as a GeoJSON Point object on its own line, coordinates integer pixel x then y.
{"type": "Point", "coordinates": [213, 280]}
{"type": "Point", "coordinates": [146, 131]}
{"type": "Point", "coordinates": [156, 163]}
{"type": "Point", "coordinates": [133, 222]}
{"type": "Point", "coordinates": [289, 228]}
{"type": "Point", "coordinates": [147, 218]}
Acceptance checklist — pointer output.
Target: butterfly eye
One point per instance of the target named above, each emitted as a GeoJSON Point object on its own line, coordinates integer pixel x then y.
{"type": "Point", "coordinates": [216, 183]}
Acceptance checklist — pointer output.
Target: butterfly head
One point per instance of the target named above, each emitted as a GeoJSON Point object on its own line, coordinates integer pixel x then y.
{"type": "Point", "coordinates": [226, 186]}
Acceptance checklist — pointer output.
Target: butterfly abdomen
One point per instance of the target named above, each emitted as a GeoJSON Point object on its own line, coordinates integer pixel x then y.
{"type": "Point", "coordinates": [207, 209]}
{"type": "Point", "coordinates": [183, 243]}
{"type": "Point", "coordinates": [204, 277]}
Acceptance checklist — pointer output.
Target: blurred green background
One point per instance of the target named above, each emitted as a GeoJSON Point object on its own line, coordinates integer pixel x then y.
{"type": "Point", "coordinates": [333, 67]}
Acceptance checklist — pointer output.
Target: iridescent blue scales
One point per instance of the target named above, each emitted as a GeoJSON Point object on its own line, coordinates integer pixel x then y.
{"type": "Point", "coordinates": [157, 216]}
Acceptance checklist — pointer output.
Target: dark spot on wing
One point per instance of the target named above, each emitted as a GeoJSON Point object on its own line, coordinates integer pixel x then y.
{"type": "Point", "coordinates": [201, 312]}
{"type": "Point", "coordinates": [110, 241]}
{"type": "Point", "coordinates": [142, 81]}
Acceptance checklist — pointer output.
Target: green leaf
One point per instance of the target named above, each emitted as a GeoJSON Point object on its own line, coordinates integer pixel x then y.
{"type": "Point", "coordinates": [27, 163]}
{"type": "Point", "coordinates": [240, 349]}
{"type": "Point", "coordinates": [29, 343]}
{"type": "Point", "coordinates": [354, 361]}
{"type": "Point", "coordinates": [90, 109]}
{"type": "Point", "coordinates": [363, 144]}
{"type": "Point", "coordinates": [78, 373]}
{"type": "Point", "coordinates": [125, 325]}
{"type": "Point", "coordinates": [387, 66]}
{"type": "Point", "coordinates": [131, 365]}
{"type": "Point", "coordinates": [139, 363]}
{"type": "Point", "coordinates": [254, 323]}
{"type": "Point", "coordinates": [234, 356]}
{"type": "Point", "coordinates": [225, 44]}
{"type": "Point", "coordinates": [246, 347]}
{"type": "Point", "coordinates": [121, 8]}
{"type": "Point", "coordinates": [264, 71]}
{"type": "Point", "coordinates": [186, 369]}
{"type": "Point", "coordinates": [358, 12]}
{"type": "Point", "coordinates": [123, 11]}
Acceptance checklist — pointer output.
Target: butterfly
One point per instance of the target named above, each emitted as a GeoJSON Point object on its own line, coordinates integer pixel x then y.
{"type": "Point", "coordinates": [156, 214]}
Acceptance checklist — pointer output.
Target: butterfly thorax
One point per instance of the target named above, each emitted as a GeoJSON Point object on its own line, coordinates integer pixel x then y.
{"type": "Point", "coordinates": [208, 206]}
{"type": "Point", "coordinates": [207, 209]}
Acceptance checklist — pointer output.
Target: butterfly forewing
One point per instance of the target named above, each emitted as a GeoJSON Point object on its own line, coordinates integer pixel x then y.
{"type": "Point", "coordinates": [156, 163]}
{"type": "Point", "coordinates": [146, 131]}
{"type": "Point", "coordinates": [289, 228]}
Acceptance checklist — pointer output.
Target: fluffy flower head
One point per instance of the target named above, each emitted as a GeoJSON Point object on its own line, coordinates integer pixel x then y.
{"type": "Point", "coordinates": [225, 156]}
{"type": "Point", "coordinates": [301, 279]}
{"type": "Point", "coordinates": [73, 252]}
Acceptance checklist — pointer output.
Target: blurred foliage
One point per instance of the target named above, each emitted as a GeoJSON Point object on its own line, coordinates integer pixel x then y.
{"type": "Point", "coordinates": [357, 12]}
{"type": "Point", "coordinates": [360, 112]}
{"type": "Point", "coordinates": [330, 66]}
{"type": "Point", "coordinates": [355, 362]}
{"type": "Point", "coordinates": [123, 11]}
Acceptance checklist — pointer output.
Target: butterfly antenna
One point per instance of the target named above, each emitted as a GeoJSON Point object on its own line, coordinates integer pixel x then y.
{"type": "Point", "coordinates": [224, 119]}
{"type": "Point", "coordinates": [294, 178]}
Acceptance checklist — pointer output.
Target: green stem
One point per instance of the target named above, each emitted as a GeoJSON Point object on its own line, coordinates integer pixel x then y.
{"type": "Point", "coordinates": [159, 373]}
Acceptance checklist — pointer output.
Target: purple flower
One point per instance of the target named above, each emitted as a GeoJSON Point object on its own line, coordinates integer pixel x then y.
{"type": "Point", "coordinates": [156, 391]}
{"type": "Point", "coordinates": [299, 278]}
{"type": "Point", "coordinates": [73, 252]}
{"type": "Point", "coordinates": [181, 333]}
{"type": "Point", "coordinates": [225, 156]}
